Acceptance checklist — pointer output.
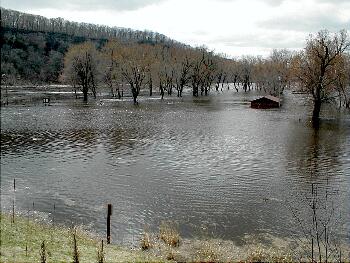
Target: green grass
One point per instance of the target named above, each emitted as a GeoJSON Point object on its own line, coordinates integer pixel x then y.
{"type": "Point", "coordinates": [58, 244]}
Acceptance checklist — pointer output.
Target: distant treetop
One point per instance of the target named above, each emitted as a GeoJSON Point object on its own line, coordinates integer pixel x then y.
{"type": "Point", "coordinates": [23, 21]}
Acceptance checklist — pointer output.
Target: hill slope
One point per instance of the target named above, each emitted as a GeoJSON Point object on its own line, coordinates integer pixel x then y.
{"type": "Point", "coordinates": [33, 47]}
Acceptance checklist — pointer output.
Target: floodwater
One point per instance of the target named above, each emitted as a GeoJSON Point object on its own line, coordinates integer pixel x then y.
{"type": "Point", "coordinates": [211, 164]}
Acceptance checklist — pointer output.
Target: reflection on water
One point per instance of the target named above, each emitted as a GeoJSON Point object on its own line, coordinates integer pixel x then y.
{"type": "Point", "coordinates": [208, 163]}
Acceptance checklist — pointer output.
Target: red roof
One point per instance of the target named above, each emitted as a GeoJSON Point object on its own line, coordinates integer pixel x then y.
{"type": "Point", "coordinates": [273, 98]}
{"type": "Point", "coordinates": [269, 97]}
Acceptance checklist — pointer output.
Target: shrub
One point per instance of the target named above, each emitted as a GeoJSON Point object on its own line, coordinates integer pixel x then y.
{"type": "Point", "coordinates": [146, 242]}
{"type": "Point", "coordinates": [168, 232]}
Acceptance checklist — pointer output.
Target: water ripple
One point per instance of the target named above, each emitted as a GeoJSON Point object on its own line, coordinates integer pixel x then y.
{"type": "Point", "coordinates": [211, 161]}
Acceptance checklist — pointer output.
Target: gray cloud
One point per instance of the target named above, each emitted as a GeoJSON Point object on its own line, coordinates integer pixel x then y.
{"type": "Point", "coordinates": [79, 4]}
{"type": "Point", "coordinates": [274, 2]}
{"type": "Point", "coordinates": [306, 23]}
{"type": "Point", "coordinates": [267, 40]}
{"type": "Point", "coordinates": [269, 2]}
{"type": "Point", "coordinates": [334, 2]}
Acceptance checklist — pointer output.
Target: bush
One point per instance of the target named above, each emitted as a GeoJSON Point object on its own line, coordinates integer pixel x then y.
{"type": "Point", "coordinates": [168, 232]}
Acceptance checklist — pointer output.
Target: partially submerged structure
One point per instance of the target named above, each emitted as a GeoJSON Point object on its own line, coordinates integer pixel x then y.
{"type": "Point", "coordinates": [266, 102]}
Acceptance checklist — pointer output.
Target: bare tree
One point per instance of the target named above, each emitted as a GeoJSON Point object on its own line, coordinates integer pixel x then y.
{"type": "Point", "coordinates": [196, 76]}
{"type": "Point", "coordinates": [221, 68]}
{"type": "Point", "coordinates": [317, 63]}
{"type": "Point", "coordinates": [111, 56]}
{"type": "Point", "coordinates": [343, 80]}
{"type": "Point", "coordinates": [134, 66]}
{"type": "Point", "coordinates": [209, 68]}
{"type": "Point", "coordinates": [247, 64]}
{"type": "Point", "coordinates": [198, 70]}
{"type": "Point", "coordinates": [321, 225]}
{"type": "Point", "coordinates": [182, 76]}
{"type": "Point", "coordinates": [81, 67]}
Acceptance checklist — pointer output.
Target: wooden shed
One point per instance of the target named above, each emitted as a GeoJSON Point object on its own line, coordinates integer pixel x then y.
{"type": "Point", "coordinates": [266, 102]}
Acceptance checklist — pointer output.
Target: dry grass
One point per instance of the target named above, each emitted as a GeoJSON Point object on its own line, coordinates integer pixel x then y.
{"type": "Point", "coordinates": [170, 254]}
{"type": "Point", "coordinates": [22, 242]}
{"type": "Point", "coordinates": [146, 241]}
{"type": "Point", "coordinates": [208, 252]}
{"type": "Point", "coordinates": [100, 254]}
{"type": "Point", "coordinates": [169, 233]}
{"type": "Point", "coordinates": [268, 255]}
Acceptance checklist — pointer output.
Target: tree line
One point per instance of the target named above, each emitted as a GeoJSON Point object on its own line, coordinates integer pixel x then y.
{"type": "Point", "coordinates": [37, 49]}
{"type": "Point", "coordinates": [172, 68]}
{"type": "Point", "coordinates": [321, 69]}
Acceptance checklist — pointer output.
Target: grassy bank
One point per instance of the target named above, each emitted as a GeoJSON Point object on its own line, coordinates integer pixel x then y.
{"type": "Point", "coordinates": [22, 241]}
{"type": "Point", "coordinates": [15, 237]}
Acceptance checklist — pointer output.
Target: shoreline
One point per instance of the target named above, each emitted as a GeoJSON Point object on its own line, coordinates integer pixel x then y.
{"type": "Point", "coordinates": [21, 241]}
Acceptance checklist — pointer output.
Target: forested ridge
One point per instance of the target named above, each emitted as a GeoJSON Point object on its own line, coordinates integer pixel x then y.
{"type": "Point", "coordinates": [33, 57]}
{"type": "Point", "coordinates": [33, 47]}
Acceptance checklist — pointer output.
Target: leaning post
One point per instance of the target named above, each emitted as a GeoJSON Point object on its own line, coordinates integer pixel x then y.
{"type": "Point", "coordinates": [13, 201]}
{"type": "Point", "coordinates": [109, 213]}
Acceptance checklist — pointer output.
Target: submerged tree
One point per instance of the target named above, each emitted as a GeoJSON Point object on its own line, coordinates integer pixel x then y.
{"type": "Point", "coordinates": [317, 64]}
{"type": "Point", "coordinates": [134, 66]}
{"type": "Point", "coordinates": [247, 64]}
{"type": "Point", "coordinates": [202, 71]}
{"type": "Point", "coordinates": [343, 80]}
{"type": "Point", "coordinates": [81, 67]}
{"type": "Point", "coordinates": [182, 75]}
{"type": "Point", "coordinates": [110, 61]}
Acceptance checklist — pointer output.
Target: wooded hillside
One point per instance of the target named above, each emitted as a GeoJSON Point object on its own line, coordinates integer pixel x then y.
{"type": "Point", "coordinates": [33, 47]}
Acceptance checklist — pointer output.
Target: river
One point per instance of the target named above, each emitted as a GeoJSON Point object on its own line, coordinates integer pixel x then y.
{"type": "Point", "coordinates": [211, 164]}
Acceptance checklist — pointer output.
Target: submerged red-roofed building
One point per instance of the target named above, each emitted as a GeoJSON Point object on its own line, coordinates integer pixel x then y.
{"type": "Point", "coordinates": [266, 102]}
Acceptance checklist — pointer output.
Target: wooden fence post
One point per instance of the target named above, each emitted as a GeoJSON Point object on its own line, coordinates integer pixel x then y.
{"type": "Point", "coordinates": [13, 201]}
{"type": "Point", "coordinates": [109, 213]}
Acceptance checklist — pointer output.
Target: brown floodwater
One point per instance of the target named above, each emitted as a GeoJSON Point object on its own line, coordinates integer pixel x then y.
{"type": "Point", "coordinates": [211, 164]}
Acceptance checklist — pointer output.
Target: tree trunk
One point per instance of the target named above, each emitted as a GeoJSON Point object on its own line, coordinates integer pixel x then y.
{"type": "Point", "coordinates": [195, 91]}
{"type": "Point", "coordinates": [85, 93]}
{"type": "Point", "coordinates": [180, 91]}
{"type": "Point", "coordinates": [135, 93]}
{"type": "Point", "coordinates": [150, 87]}
{"type": "Point", "coordinates": [161, 89]}
{"type": "Point", "coordinates": [316, 111]}
{"type": "Point", "coordinates": [112, 91]}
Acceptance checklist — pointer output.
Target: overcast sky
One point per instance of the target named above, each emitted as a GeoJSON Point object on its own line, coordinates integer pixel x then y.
{"type": "Point", "coordinates": [234, 27]}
